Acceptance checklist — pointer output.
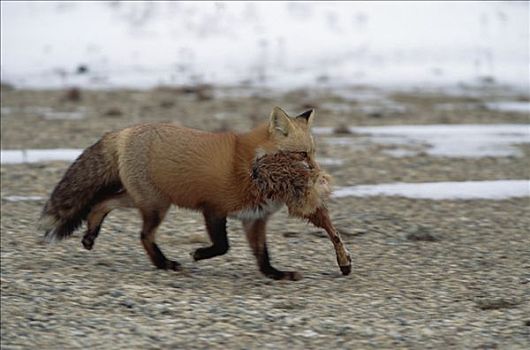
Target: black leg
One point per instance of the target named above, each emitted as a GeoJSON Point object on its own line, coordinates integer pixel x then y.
{"type": "Point", "coordinates": [151, 222]}
{"type": "Point", "coordinates": [216, 227]}
{"type": "Point", "coordinates": [255, 231]}
{"type": "Point", "coordinates": [91, 234]}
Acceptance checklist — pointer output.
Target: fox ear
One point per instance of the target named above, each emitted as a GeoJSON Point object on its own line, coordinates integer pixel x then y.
{"type": "Point", "coordinates": [307, 116]}
{"type": "Point", "coordinates": [280, 122]}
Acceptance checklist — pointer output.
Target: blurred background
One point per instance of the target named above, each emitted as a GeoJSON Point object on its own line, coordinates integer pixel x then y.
{"type": "Point", "coordinates": [422, 119]}
{"type": "Point", "coordinates": [275, 44]}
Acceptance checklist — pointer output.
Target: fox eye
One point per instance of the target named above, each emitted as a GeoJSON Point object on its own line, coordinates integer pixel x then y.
{"type": "Point", "coordinates": [304, 154]}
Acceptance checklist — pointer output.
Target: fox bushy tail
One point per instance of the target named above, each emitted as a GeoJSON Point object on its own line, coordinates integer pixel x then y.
{"type": "Point", "coordinates": [92, 177]}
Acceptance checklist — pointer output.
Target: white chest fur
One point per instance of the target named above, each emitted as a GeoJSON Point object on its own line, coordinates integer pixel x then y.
{"type": "Point", "coordinates": [259, 212]}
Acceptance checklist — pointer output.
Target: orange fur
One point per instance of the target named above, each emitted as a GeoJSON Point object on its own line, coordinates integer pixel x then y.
{"type": "Point", "coordinates": [194, 169]}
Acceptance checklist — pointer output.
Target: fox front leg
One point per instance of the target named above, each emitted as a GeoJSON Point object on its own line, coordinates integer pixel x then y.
{"type": "Point", "coordinates": [320, 218]}
{"type": "Point", "coordinates": [256, 236]}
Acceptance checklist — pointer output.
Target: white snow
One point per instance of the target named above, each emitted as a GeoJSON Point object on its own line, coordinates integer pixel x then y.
{"type": "Point", "coordinates": [46, 113]}
{"type": "Point", "coordinates": [503, 106]}
{"type": "Point", "coordinates": [498, 189]}
{"type": "Point", "coordinates": [49, 114]}
{"type": "Point", "coordinates": [330, 161]}
{"type": "Point", "coordinates": [510, 106]}
{"type": "Point", "coordinates": [461, 140]}
{"type": "Point", "coordinates": [276, 44]}
{"type": "Point", "coordinates": [22, 198]}
{"type": "Point", "coordinates": [38, 155]}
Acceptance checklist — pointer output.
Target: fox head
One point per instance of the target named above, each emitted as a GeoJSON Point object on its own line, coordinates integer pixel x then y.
{"type": "Point", "coordinates": [292, 134]}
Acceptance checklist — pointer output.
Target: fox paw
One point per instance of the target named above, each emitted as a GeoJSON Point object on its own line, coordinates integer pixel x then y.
{"type": "Point", "coordinates": [173, 265]}
{"type": "Point", "coordinates": [88, 243]}
{"type": "Point", "coordinates": [346, 270]}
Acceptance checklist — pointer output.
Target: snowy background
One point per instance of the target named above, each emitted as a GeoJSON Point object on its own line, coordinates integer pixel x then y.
{"type": "Point", "coordinates": [274, 44]}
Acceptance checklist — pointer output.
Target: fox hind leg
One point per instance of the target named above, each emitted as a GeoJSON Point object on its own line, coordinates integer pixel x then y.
{"type": "Point", "coordinates": [99, 212]}
{"type": "Point", "coordinates": [151, 221]}
{"type": "Point", "coordinates": [216, 227]}
{"type": "Point", "coordinates": [255, 231]}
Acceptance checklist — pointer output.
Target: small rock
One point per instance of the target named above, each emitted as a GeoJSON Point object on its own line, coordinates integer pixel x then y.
{"type": "Point", "coordinates": [72, 95]}
{"type": "Point", "coordinates": [322, 78]}
{"type": "Point", "coordinates": [114, 112]}
{"type": "Point", "coordinates": [167, 104]}
{"type": "Point", "coordinates": [375, 114]}
{"type": "Point", "coordinates": [496, 303]}
{"type": "Point", "coordinates": [342, 129]}
{"type": "Point", "coordinates": [309, 105]}
{"type": "Point", "coordinates": [82, 69]}
{"type": "Point", "coordinates": [116, 294]}
{"type": "Point", "coordinates": [422, 234]}
{"type": "Point", "coordinates": [487, 346]}
{"type": "Point", "coordinates": [127, 303]}
{"type": "Point", "coordinates": [291, 234]}
{"type": "Point", "coordinates": [319, 234]}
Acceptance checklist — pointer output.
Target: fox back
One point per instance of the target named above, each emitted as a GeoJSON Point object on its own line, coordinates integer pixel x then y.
{"type": "Point", "coordinates": [193, 169]}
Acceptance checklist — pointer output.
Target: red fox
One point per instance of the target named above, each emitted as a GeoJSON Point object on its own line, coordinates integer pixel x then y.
{"type": "Point", "coordinates": [153, 165]}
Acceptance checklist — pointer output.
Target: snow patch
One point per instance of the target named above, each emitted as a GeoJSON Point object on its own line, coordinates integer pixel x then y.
{"type": "Point", "coordinates": [38, 155]}
{"type": "Point", "coordinates": [498, 189]}
{"type": "Point", "coordinates": [510, 106]}
{"type": "Point", "coordinates": [22, 198]}
{"type": "Point", "coordinates": [330, 161]}
{"type": "Point", "coordinates": [463, 140]}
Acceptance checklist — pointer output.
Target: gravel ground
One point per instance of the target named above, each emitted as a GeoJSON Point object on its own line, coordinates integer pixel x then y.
{"type": "Point", "coordinates": [427, 274]}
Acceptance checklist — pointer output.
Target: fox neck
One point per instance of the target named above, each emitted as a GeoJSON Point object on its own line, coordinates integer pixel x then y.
{"type": "Point", "coordinates": [249, 146]}
{"type": "Point", "coordinates": [254, 143]}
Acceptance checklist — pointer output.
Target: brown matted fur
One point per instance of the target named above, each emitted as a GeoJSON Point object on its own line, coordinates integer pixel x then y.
{"type": "Point", "coordinates": [295, 179]}
{"type": "Point", "coordinates": [291, 178]}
